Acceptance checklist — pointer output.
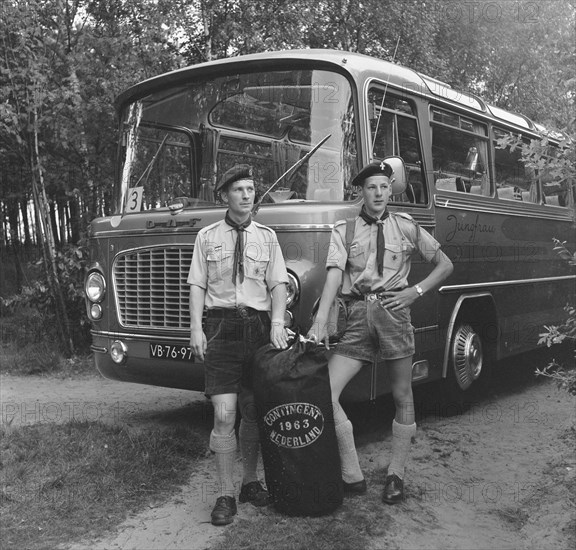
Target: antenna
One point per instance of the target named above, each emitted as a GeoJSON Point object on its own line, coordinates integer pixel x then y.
{"type": "Point", "coordinates": [383, 98]}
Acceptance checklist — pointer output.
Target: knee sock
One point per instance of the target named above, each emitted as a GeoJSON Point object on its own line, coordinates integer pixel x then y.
{"type": "Point", "coordinates": [401, 439]}
{"type": "Point", "coordinates": [224, 449]}
{"type": "Point", "coordinates": [250, 449]}
{"type": "Point", "coordinates": [349, 464]}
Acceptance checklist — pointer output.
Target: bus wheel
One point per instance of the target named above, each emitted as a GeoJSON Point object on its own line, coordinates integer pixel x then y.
{"type": "Point", "coordinates": [466, 370]}
{"type": "Point", "coordinates": [466, 356]}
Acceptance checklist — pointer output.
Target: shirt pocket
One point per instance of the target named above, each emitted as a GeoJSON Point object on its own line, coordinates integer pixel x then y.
{"type": "Point", "coordinates": [220, 263]}
{"type": "Point", "coordinates": [394, 257]}
{"type": "Point", "coordinates": [357, 258]}
{"type": "Point", "coordinates": [256, 263]}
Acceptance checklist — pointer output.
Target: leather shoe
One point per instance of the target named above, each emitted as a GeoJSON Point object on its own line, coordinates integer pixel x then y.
{"type": "Point", "coordinates": [355, 488]}
{"type": "Point", "coordinates": [393, 490]}
{"type": "Point", "coordinates": [254, 493]}
{"type": "Point", "coordinates": [224, 511]}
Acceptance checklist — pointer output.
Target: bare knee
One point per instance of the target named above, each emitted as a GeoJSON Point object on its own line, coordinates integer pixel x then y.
{"type": "Point", "coordinates": [224, 416]}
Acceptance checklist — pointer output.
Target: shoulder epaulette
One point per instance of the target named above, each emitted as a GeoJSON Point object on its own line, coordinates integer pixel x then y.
{"type": "Point", "coordinates": [404, 215]}
{"type": "Point", "coordinates": [262, 226]}
{"type": "Point", "coordinates": [339, 222]}
{"type": "Point", "coordinates": [210, 227]}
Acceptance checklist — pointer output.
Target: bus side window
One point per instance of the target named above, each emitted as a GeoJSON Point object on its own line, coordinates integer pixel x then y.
{"type": "Point", "coordinates": [514, 180]}
{"type": "Point", "coordinates": [459, 154]}
{"type": "Point", "coordinates": [556, 191]}
{"type": "Point", "coordinates": [394, 131]}
{"type": "Point", "coordinates": [557, 194]}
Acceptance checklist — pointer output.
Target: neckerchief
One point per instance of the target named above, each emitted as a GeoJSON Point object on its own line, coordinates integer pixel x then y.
{"type": "Point", "coordinates": [239, 250]}
{"type": "Point", "coordinates": [380, 235]}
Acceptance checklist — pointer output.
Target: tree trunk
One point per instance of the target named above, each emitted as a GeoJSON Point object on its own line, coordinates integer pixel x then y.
{"type": "Point", "coordinates": [74, 220]}
{"type": "Point", "coordinates": [53, 223]}
{"type": "Point", "coordinates": [12, 207]}
{"type": "Point", "coordinates": [62, 219]}
{"type": "Point", "coordinates": [25, 222]}
{"type": "Point", "coordinates": [48, 246]}
{"type": "Point", "coordinates": [207, 23]}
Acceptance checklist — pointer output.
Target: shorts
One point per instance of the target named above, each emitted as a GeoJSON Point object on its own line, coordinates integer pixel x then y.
{"type": "Point", "coordinates": [233, 337]}
{"type": "Point", "coordinates": [374, 332]}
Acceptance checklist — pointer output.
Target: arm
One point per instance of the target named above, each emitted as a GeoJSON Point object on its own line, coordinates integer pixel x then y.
{"type": "Point", "coordinates": [319, 329]}
{"type": "Point", "coordinates": [197, 336]}
{"type": "Point", "coordinates": [278, 335]}
{"type": "Point", "coordinates": [443, 267]}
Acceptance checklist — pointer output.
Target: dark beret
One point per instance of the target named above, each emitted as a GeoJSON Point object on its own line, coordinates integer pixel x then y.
{"type": "Point", "coordinates": [375, 168]}
{"type": "Point", "coordinates": [238, 172]}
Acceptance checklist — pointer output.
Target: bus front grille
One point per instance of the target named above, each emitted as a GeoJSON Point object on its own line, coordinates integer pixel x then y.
{"type": "Point", "coordinates": [151, 287]}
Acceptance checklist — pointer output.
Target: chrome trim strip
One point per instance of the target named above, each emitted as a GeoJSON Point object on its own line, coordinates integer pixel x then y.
{"type": "Point", "coordinates": [451, 325]}
{"type": "Point", "coordinates": [427, 221]}
{"type": "Point", "coordinates": [150, 246]}
{"type": "Point", "coordinates": [99, 349]}
{"type": "Point", "coordinates": [478, 286]}
{"type": "Point", "coordinates": [492, 205]}
{"type": "Point", "coordinates": [425, 329]}
{"type": "Point", "coordinates": [132, 336]}
{"type": "Point", "coordinates": [285, 228]}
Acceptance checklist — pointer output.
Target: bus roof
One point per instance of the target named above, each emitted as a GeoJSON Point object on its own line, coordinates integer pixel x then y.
{"type": "Point", "coordinates": [359, 66]}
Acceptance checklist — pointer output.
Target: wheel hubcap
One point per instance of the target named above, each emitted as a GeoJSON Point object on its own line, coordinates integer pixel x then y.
{"type": "Point", "coordinates": [467, 356]}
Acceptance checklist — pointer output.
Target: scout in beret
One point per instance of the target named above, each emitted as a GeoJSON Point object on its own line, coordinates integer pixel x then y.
{"type": "Point", "coordinates": [237, 172]}
{"type": "Point", "coordinates": [243, 301]}
{"type": "Point", "coordinates": [369, 267]}
{"type": "Point", "coordinates": [375, 168]}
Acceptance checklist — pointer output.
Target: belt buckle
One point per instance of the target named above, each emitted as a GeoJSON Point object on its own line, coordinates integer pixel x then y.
{"type": "Point", "coordinates": [371, 297]}
{"type": "Point", "coordinates": [243, 312]}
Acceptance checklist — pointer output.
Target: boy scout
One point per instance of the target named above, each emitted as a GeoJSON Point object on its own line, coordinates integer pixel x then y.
{"type": "Point", "coordinates": [238, 274]}
{"type": "Point", "coordinates": [374, 272]}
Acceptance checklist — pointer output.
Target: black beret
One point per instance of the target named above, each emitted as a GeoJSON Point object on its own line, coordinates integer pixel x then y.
{"type": "Point", "coordinates": [375, 168]}
{"type": "Point", "coordinates": [238, 172]}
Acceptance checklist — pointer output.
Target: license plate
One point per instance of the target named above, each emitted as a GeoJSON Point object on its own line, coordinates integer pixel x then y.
{"type": "Point", "coordinates": [172, 352]}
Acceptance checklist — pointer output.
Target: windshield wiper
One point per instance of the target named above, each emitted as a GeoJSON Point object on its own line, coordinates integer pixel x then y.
{"type": "Point", "coordinates": [148, 170]}
{"type": "Point", "coordinates": [297, 164]}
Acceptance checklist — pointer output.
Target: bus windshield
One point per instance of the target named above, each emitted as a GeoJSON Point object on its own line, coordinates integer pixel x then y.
{"type": "Point", "coordinates": [177, 142]}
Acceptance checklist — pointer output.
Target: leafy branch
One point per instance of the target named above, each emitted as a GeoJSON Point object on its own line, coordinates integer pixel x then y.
{"type": "Point", "coordinates": [558, 334]}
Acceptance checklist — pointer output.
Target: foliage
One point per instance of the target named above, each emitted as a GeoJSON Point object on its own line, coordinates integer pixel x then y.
{"type": "Point", "coordinates": [560, 334]}
{"type": "Point", "coordinates": [71, 266]}
{"type": "Point", "coordinates": [566, 378]}
{"type": "Point", "coordinates": [556, 164]}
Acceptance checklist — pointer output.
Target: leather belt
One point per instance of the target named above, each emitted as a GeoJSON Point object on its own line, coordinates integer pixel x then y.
{"type": "Point", "coordinates": [240, 312]}
{"type": "Point", "coordinates": [372, 296]}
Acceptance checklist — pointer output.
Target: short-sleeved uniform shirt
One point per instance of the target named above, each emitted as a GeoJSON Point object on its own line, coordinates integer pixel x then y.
{"type": "Point", "coordinates": [213, 264]}
{"type": "Point", "coordinates": [402, 237]}
{"type": "Point", "coordinates": [232, 341]}
{"type": "Point", "coordinates": [372, 330]}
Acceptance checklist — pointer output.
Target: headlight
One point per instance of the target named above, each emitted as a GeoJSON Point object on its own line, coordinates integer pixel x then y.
{"type": "Point", "coordinates": [293, 290]}
{"type": "Point", "coordinates": [95, 311]}
{"type": "Point", "coordinates": [119, 352]}
{"type": "Point", "coordinates": [95, 287]}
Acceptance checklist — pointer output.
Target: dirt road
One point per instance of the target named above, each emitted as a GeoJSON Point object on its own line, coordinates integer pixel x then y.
{"type": "Point", "coordinates": [500, 476]}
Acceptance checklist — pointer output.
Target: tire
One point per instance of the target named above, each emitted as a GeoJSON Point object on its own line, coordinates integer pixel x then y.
{"type": "Point", "coordinates": [466, 356]}
{"type": "Point", "coordinates": [468, 372]}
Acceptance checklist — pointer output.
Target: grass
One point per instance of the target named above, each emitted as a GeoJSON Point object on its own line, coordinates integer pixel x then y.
{"type": "Point", "coordinates": [63, 483]}
{"type": "Point", "coordinates": [27, 347]}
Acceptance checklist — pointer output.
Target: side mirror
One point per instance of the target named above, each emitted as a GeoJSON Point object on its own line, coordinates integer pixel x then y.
{"type": "Point", "coordinates": [399, 179]}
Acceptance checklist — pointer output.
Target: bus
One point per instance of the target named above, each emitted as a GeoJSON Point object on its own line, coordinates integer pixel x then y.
{"type": "Point", "coordinates": [178, 132]}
